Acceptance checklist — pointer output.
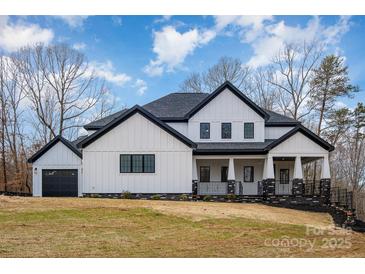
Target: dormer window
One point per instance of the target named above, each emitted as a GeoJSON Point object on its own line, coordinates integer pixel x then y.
{"type": "Point", "coordinates": [249, 131]}
{"type": "Point", "coordinates": [226, 130]}
{"type": "Point", "coordinates": [204, 131]}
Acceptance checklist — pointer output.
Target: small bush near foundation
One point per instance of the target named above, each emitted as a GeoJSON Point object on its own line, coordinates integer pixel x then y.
{"type": "Point", "coordinates": [126, 195]}
{"type": "Point", "coordinates": [155, 197]}
{"type": "Point", "coordinates": [207, 198]}
{"type": "Point", "coordinates": [184, 197]}
{"type": "Point", "coordinates": [230, 197]}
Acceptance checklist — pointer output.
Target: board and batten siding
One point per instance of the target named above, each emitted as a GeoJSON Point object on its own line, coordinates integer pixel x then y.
{"type": "Point", "coordinates": [300, 145]}
{"type": "Point", "coordinates": [276, 132]}
{"type": "Point", "coordinates": [226, 108]}
{"type": "Point", "coordinates": [137, 135]}
{"type": "Point", "coordinates": [57, 157]}
{"type": "Point", "coordinates": [181, 127]}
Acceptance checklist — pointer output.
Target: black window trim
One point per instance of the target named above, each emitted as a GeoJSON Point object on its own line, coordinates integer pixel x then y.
{"type": "Point", "coordinates": [252, 176]}
{"type": "Point", "coordinates": [230, 132]}
{"type": "Point", "coordinates": [253, 130]}
{"type": "Point", "coordinates": [131, 163]}
{"type": "Point", "coordinates": [200, 172]}
{"type": "Point", "coordinates": [200, 129]}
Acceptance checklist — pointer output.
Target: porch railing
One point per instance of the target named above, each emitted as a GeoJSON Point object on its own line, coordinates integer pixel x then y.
{"type": "Point", "coordinates": [283, 188]}
{"type": "Point", "coordinates": [212, 188]}
{"type": "Point", "coordinates": [311, 187]}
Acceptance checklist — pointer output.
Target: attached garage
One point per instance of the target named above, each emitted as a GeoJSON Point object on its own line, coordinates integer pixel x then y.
{"type": "Point", "coordinates": [59, 183]}
{"type": "Point", "coordinates": [57, 170]}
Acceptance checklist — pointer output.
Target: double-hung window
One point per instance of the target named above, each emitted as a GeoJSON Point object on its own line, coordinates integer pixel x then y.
{"type": "Point", "coordinates": [137, 163]}
{"type": "Point", "coordinates": [204, 131]}
{"type": "Point", "coordinates": [226, 130]}
{"type": "Point", "coordinates": [249, 131]}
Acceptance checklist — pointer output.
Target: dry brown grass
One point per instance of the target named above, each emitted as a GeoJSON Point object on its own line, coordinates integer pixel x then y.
{"type": "Point", "coordinates": [73, 227]}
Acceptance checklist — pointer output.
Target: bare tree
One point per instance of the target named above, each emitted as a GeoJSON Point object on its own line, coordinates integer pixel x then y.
{"type": "Point", "coordinates": [261, 91]}
{"type": "Point", "coordinates": [3, 120]}
{"type": "Point", "coordinates": [293, 67]}
{"type": "Point", "coordinates": [227, 69]}
{"type": "Point", "coordinates": [60, 85]}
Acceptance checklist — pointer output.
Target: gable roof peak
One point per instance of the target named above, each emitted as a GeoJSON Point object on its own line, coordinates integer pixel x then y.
{"type": "Point", "coordinates": [228, 85]}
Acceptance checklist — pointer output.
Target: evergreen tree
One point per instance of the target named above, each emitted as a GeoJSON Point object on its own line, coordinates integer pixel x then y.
{"type": "Point", "coordinates": [330, 81]}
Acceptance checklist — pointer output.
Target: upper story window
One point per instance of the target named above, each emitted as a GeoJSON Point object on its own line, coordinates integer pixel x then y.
{"type": "Point", "coordinates": [226, 131]}
{"type": "Point", "coordinates": [137, 163]}
{"type": "Point", "coordinates": [204, 131]}
{"type": "Point", "coordinates": [249, 132]}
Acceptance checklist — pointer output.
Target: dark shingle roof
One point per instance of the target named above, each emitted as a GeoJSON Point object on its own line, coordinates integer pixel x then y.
{"type": "Point", "coordinates": [232, 147]}
{"type": "Point", "coordinates": [97, 124]}
{"type": "Point", "coordinates": [175, 107]}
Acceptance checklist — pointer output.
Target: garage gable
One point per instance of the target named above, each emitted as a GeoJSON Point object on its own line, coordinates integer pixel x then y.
{"type": "Point", "coordinates": [56, 153]}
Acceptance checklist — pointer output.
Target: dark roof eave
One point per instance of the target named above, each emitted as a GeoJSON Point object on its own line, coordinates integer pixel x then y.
{"type": "Point", "coordinates": [52, 143]}
{"type": "Point", "coordinates": [230, 152]}
{"type": "Point", "coordinates": [281, 124]}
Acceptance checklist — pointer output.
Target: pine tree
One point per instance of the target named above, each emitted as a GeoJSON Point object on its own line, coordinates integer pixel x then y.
{"type": "Point", "coordinates": [330, 81]}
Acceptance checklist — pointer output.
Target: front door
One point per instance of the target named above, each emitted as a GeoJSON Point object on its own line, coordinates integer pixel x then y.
{"type": "Point", "coordinates": [283, 187]}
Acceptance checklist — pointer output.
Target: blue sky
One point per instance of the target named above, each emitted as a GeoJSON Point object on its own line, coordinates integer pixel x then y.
{"type": "Point", "coordinates": [142, 58]}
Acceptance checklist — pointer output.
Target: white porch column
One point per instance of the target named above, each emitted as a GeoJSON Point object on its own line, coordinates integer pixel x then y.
{"type": "Point", "coordinates": [326, 174]}
{"type": "Point", "coordinates": [298, 172]}
{"type": "Point", "coordinates": [264, 170]}
{"type": "Point", "coordinates": [195, 170]}
{"type": "Point", "coordinates": [270, 168]}
{"type": "Point", "coordinates": [231, 173]}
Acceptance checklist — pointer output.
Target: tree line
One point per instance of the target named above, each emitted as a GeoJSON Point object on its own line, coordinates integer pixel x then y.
{"type": "Point", "coordinates": [304, 84]}
{"type": "Point", "coordinates": [45, 91]}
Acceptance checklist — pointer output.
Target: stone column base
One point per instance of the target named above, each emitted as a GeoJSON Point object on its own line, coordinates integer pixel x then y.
{"type": "Point", "coordinates": [195, 187]}
{"type": "Point", "coordinates": [326, 191]}
{"type": "Point", "coordinates": [298, 187]}
{"type": "Point", "coordinates": [268, 187]}
{"type": "Point", "coordinates": [231, 187]}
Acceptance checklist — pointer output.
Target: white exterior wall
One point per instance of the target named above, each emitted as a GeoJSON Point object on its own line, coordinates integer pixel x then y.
{"type": "Point", "coordinates": [137, 135]}
{"type": "Point", "coordinates": [180, 127]}
{"type": "Point", "coordinates": [58, 157]}
{"type": "Point", "coordinates": [300, 145]}
{"type": "Point", "coordinates": [226, 107]}
{"type": "Point", "coordinates": [276, 132]}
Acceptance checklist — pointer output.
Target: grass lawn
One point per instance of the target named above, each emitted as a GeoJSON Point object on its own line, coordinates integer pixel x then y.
{"type": "Point", "coordinates": [75, 227]}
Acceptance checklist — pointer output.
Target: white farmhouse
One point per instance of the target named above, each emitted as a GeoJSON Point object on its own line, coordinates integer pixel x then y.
{"type": "Point", "coordinates": [207, 144]}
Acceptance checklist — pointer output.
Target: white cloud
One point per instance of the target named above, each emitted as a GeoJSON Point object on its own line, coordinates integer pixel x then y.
{"type": "Point", "coordinates": [172, 47]}
{"type": "Point", "coordinates": [163, 19]}
{"type": "Point", "coordinates": [73, 21]}
{"type": "Point", "coordinates": [107, 72]}
{"type": "Point", "coordinates": [250, 27]}
{"type": "Point", "coordinates": [141, 86]}
{"type": "Point", "coordinates": [79, 46]}
{"type": "Point", "coordinates": [19, 34]}
{"type": "Point", "coordinates": [276, 35]}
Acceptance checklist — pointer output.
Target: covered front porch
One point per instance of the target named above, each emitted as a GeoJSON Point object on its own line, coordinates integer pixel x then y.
{"type": "Point", "coordinates": [246, 174]}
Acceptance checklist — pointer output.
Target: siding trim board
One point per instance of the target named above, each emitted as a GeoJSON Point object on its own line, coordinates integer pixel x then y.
{"type": "Point", "coordinates": [52, 143]}
{"type": "Point", "coordinates": [129, 113]}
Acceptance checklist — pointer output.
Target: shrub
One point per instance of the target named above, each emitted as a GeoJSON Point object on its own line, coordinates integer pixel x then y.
{"type": "Point", "coordinates": [156, 197]}
{"type": "Point", "coordinates": [207, 198]}
{"type": "Point", "coordinates": [230, 197]}
{"type": "Point", "coordinates": [126, 195]}
{"type": "Point", "coordinates": [184, 197]}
